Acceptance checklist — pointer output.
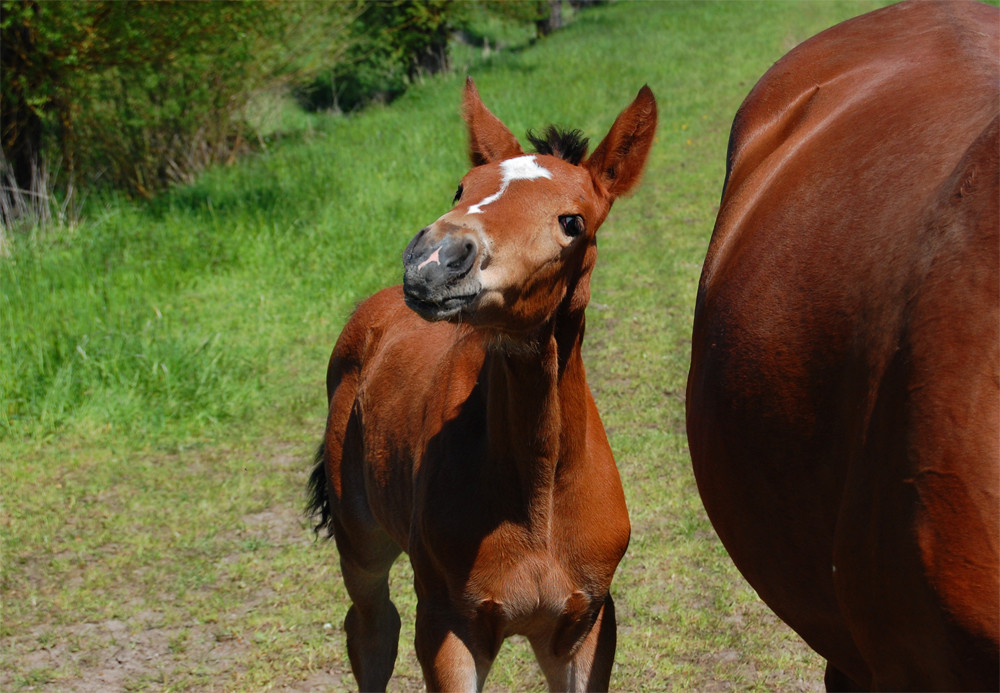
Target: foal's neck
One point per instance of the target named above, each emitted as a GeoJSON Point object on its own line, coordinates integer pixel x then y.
{"type": "Point", "coordinates": [537, 400]}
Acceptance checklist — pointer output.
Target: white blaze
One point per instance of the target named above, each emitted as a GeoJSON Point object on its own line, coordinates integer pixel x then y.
{"type": "Point", "coordinates": [521, 168]}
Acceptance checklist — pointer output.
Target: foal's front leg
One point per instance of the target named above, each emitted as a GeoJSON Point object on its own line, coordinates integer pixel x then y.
{"type": "Point", "coordinates": [452, 655]}
{"type": "Point", "coordinates": [588, 668]}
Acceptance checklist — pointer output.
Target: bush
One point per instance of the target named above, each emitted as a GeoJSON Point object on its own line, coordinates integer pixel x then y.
{"type": "Point", "coordinates": [392, 43]}
{"type": "Point", "coordinates": [138, 95]}
{"type": "Point", "coordinates": [141, 94]}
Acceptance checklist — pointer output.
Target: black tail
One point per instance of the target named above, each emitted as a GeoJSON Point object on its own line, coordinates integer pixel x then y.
{"type": "Point", "coordinates": [319, 496]}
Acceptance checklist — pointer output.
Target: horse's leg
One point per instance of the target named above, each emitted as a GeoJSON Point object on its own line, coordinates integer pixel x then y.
{"type": "Point", "coordinates": [372, 623]}
{"type": "Point", "coordinates": [589, 667]}
{"type": "Point", "coordinates": [837, 680]}
{"type": "Point", "coordinates": [448, 659]}
{"type": "Point", "coordinates": [366, 550]}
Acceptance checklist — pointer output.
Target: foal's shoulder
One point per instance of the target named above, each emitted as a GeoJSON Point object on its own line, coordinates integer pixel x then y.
{"type": "Point", "coordinates": [368, 322]}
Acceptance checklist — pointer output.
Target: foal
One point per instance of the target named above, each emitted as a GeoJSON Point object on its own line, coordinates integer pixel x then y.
{"type": "Point", "coordinates": [462, 430]}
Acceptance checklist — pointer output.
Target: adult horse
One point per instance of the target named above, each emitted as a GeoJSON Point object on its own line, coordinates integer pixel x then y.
{"type": "Point", "coordinates": [842, 401]}
{"type": "Point", "coordinates": [461, 428]}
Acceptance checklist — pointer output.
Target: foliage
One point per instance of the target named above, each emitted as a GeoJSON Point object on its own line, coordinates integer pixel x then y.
{"type": "Point", "coordinates": [392, 42]}
{"type": "Point", "coordinates": [537, 12]}
{"type": "Point", "coordinates": [141, 94]}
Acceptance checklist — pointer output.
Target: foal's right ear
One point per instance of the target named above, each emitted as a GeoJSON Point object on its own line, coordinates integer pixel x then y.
{"type": "Point", "coordinates": [489, 139]}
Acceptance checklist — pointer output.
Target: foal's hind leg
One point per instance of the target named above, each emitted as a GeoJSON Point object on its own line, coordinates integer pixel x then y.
{"type": "Point", "coordinates": [372, 623]}
{"type": "Point", "coordinates": [366, 550]}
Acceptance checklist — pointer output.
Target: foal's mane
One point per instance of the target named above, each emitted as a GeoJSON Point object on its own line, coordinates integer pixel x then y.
{"type": "Point", "coordinates": [568, 145]}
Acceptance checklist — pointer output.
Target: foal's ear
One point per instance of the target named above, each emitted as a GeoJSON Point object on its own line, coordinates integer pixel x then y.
{"type": "Point", "coordinates": [618, 161]}
{"type": "Point", "coordinates": [489, 139]}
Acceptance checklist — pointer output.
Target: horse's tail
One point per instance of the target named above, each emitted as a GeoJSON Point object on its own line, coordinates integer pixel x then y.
{"type": "Point", "coordinates": [319, 495]}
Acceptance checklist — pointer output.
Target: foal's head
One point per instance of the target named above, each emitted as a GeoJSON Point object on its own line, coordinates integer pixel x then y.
{"type": "Point", "coordinates": [520, 242]}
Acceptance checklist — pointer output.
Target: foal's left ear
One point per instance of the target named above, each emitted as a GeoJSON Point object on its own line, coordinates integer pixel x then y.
{"type": "Point", "coordinates": [618, 161]}
{"type": "Point", "coordinates": [489, 139]}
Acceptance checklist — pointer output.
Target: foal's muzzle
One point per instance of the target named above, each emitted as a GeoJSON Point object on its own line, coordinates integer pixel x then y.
{"type": "Point", "coordinates": [439, 273]}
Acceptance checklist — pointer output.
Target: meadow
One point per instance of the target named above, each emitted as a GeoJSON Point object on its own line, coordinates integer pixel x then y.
{"type": "Point", "coordinates": [162, 374]}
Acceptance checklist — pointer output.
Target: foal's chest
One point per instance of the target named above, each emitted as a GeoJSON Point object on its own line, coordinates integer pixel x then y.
{"type": "Point", "coordinates": [531, 592]}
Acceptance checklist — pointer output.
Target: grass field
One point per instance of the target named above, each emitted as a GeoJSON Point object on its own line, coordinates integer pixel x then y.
{"type": "Point", "coordinates": [162, 380]}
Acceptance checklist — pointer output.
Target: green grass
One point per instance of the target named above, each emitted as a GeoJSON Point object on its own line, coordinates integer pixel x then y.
{"type": "Point", "coordinates": [162, 370]}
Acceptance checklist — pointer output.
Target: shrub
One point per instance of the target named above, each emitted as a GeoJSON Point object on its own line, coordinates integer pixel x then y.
{"type": "Point", "coordinates": [141, 94]}
{"type": "Point", "coordinates": [392, 43]}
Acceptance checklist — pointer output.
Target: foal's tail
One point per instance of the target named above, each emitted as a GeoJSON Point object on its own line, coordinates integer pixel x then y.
{"type": "Point", "coordinates": [319, 495]}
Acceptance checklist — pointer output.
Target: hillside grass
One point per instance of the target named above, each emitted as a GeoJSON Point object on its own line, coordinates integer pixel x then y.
{"type": "Point", "coordinates": [162, 380]}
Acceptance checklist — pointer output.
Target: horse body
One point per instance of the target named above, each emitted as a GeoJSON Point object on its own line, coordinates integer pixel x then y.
{"type": "Point", "coordinates": [462, 430]}
{"type": "Point", "coordinates": [844, 392]}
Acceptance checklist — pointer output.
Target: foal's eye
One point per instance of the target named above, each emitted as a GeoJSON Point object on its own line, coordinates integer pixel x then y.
{"type": "Point", "coordinates": [572, 224]}
{"type": "Point", "coordinates": [458, 195]}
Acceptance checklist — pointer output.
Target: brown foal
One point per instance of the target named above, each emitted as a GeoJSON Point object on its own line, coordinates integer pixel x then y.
{"type": "Point", "coordinates": [461, 428]}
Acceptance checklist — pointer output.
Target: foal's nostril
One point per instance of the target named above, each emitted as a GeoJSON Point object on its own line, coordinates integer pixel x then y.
{"type": "Point", "coordinates": [459, 256]}
{"type": "Point", "coordinates": [464, 258]}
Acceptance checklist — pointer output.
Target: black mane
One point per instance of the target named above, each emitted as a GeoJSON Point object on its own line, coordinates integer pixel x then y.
{"type": "Point", "coordinates": [568, 145]}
